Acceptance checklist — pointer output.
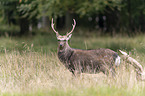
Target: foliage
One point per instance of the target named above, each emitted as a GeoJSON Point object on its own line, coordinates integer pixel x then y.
{"type": "Point", "coordinates": [119, 14]}
{"type": "Point", "coordinates": [28, 9]}
{"type": "Point", "coordinates": [133, 13]}
{"type": "Point", "coordinates": [97, 6]}
{"type": "Point", "coordinates": [51, 8]}
{"type": "Point", "coordinates": [58, 8]}
{"type": "Point", "coordinates": [6, 30]}
{"type": "Point", "coordinates": [8, 10]}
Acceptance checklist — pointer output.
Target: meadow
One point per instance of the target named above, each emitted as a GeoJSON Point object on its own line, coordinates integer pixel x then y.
{"type": "Point", "coordinates": [29, 67]}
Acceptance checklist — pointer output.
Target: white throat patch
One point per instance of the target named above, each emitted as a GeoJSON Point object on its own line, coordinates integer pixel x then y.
{"type": "Point", "coordinates": [64, 37]}
{"type": "Point", "coordinates": [117, 61]}
{"type": "Point", "coordinates": [61, 37]}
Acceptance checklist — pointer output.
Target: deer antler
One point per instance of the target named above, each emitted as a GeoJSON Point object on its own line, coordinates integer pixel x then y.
{"type": "Point", "coordinates": [136, 64]}
{"type": "Point", "coordinates": [72, 28]}
{"type": "Point", "coordinates": [52, 25]}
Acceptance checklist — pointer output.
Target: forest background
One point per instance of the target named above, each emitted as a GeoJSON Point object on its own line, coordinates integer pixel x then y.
{"type": "Point", "coordinates": [105, 16]}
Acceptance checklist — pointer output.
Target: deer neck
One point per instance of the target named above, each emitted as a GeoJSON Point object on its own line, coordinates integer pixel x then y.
{"type": "Point", "coordinates": [65, 53]}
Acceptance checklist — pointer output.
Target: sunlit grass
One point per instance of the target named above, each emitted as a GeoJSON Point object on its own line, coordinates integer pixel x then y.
{"type": "Point", "coordinates": [30, 67]}
{"type": "Point", "coordinates": [32, 73]}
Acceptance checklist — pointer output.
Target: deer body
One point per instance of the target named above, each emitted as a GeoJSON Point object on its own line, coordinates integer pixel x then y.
{"type": "Point", "coordinates": [78, 60]}
{"type": "Point", "coordinates": [90, 61]}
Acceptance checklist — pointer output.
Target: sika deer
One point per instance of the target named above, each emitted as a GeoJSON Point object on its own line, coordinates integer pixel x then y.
{"type": "Point", "coordinates": [78, 60]}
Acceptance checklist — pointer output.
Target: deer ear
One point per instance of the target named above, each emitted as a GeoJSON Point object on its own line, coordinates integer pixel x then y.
{"type": "Point", "coordinates": [68, 37]}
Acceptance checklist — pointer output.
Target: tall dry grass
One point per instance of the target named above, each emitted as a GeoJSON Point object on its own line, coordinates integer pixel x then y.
{"type": "Point", "coordinates": [28, 72]}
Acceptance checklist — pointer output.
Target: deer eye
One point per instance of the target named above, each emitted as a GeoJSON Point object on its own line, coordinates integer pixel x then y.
{"type": "Point", "coordinates": [61, 40]}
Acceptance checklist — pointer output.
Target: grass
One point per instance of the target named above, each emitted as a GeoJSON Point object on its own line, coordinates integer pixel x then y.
{"type": "Point", "coordinates": [29, 67]}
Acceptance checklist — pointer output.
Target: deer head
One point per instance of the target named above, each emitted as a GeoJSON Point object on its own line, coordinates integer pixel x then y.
{"type": "Point", "coordinates": [63, 40]}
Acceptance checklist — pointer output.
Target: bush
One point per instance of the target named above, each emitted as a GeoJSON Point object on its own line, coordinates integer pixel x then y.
{"type": "Point", "coordinates": [9, 30]}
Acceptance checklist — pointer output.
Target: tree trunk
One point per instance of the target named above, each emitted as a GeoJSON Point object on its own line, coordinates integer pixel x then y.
{"type": "Point", "coordinates": [142, 21]}
{"type": "Point", "coordinates": [111, 20]}
{"type": "Point", "coordinates": [129, 16]}
{"type": "Point", "coordinates": [24, 26]}
{"type": "Point", "coordinates": [68, 20]}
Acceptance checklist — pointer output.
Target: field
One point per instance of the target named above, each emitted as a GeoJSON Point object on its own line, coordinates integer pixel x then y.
{"type": "Point", "coordinates": [29, 67]}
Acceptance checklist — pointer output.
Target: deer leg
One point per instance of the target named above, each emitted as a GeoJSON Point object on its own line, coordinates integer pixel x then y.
{"type": "Point", "coordinates": [112, 72]}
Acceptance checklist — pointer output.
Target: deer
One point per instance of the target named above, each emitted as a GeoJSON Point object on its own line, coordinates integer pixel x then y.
{"type": "Point", "coordinates": [85, 61]}
{"type": "Point", "coordinates": [90, 61]}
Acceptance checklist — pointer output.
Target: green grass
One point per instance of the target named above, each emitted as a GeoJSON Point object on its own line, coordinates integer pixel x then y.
{"type": "Point", "coordinates": [48, 42]}
{"type": "Point", "coordinates": [29, 67]}
{"type": "Point", "coordinates": [92, 91]}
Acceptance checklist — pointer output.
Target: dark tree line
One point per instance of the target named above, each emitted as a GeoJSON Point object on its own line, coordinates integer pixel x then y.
{"type": "Point", "coordinates": [105, 15]}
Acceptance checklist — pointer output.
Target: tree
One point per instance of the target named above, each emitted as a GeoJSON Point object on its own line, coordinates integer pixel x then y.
{"type": "Point", "coordinates": [20, 12]}
{"type": "Point", "coordinates": [8, 8]}
{"type": "Point", "coordinates": [132, 15]}
{"type": "Point", "coordinates": [28, 12]}
{"type": "Point", "coordinates": [112, 14]}
{"type": "Point", "coordinates": [57, 9]}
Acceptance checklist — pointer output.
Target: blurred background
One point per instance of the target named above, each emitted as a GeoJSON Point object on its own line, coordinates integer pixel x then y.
{"type": "Point", "coordinates": [106, 16]}
{"type": "Point", "coordinates": [26, 23]}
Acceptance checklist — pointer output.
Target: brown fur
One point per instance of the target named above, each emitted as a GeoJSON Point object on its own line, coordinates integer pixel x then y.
{"type": "Point", "coordinates": [92, 61]}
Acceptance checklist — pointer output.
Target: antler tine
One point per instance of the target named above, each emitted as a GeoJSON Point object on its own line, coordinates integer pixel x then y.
{"type": "Point", "coordinates": [72, 28]}
{"type": "Point", "coordinates": [52, 25]}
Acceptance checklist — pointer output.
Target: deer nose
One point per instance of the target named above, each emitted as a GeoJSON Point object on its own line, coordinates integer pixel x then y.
{"type": "Point", "coordinates": [61, 45]}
